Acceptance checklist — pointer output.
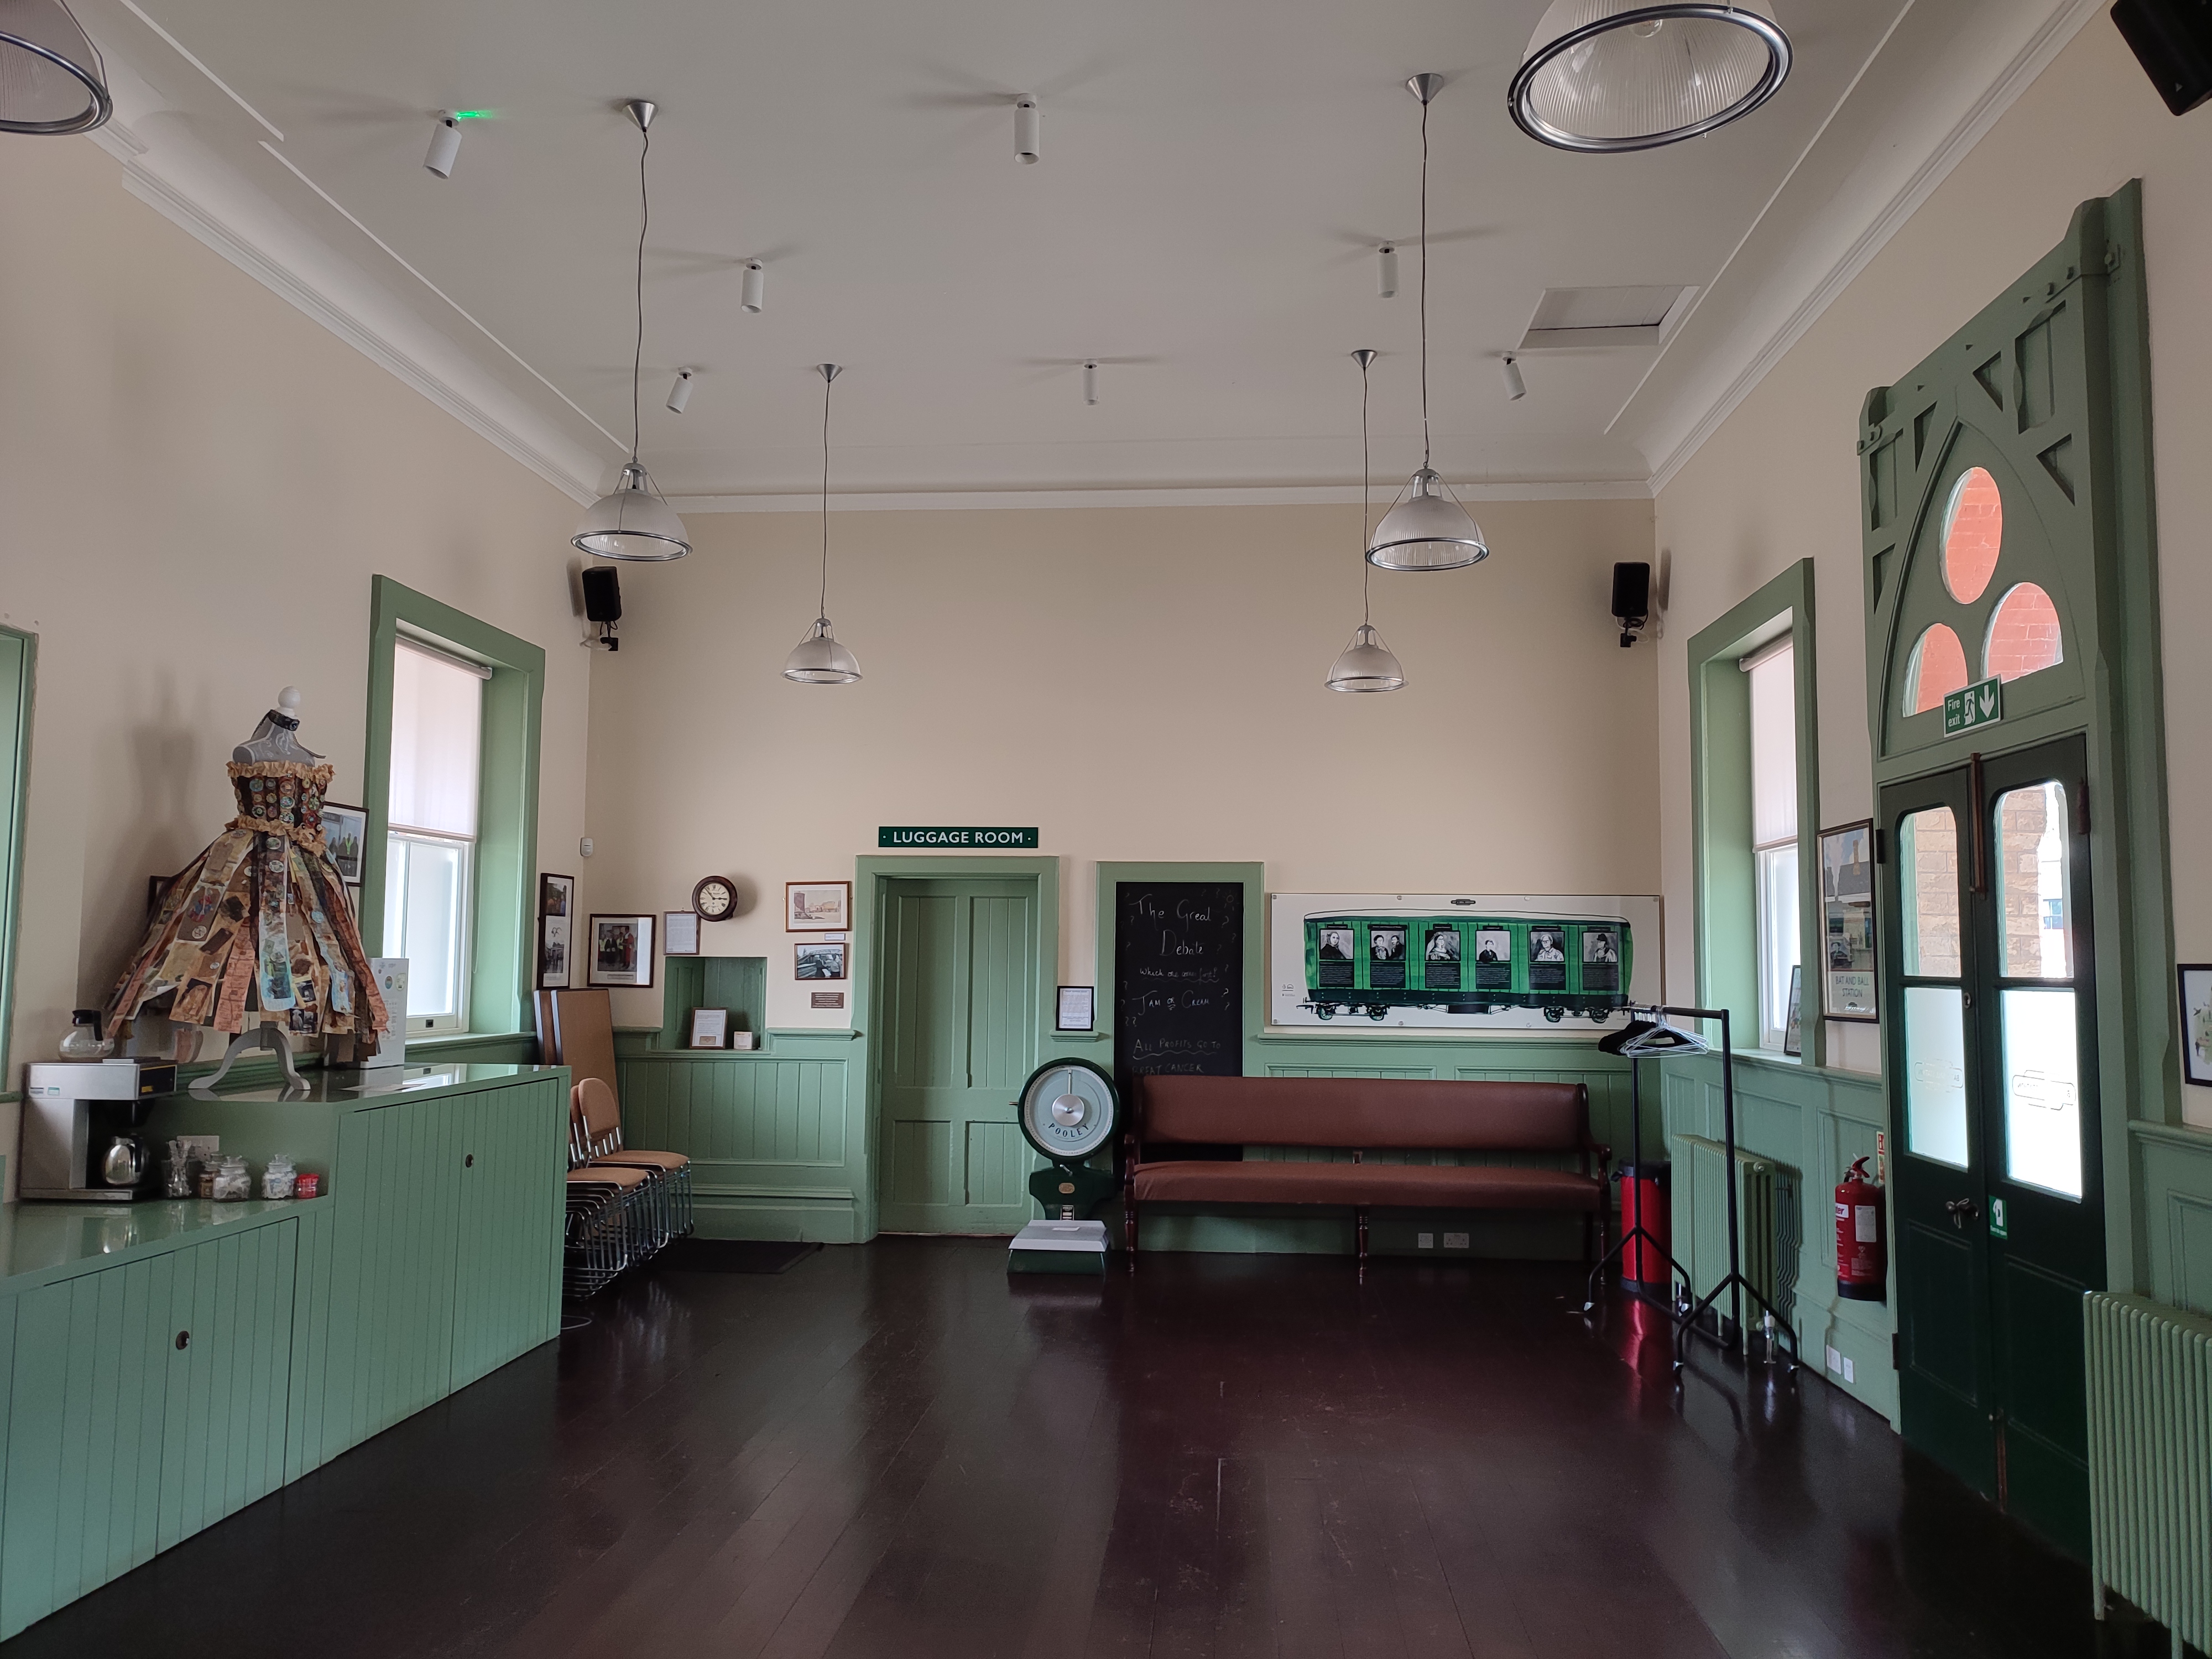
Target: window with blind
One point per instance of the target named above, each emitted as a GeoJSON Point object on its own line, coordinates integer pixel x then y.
{"type": "Point", "coordinates": [1772, 674]}
{"type": "Point", "coordinates": [430, 857]}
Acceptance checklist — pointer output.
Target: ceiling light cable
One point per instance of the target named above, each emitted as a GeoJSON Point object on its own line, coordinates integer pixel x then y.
{"type": "Point", "coordinates": [1366, 664]}
{"type": "Point", "coordinates": [819, 658]}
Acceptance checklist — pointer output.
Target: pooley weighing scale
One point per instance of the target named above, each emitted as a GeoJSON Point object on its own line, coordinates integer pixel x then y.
{"type": "Point", "coordinates": [1067, 1111]}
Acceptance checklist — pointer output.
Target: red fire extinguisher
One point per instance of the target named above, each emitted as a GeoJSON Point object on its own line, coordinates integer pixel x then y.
{"type": "Point", "coordinates": [1862, 1255]}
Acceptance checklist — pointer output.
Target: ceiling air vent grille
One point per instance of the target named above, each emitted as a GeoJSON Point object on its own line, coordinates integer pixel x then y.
{"type": "Point", "coordinates": [1602, 316]}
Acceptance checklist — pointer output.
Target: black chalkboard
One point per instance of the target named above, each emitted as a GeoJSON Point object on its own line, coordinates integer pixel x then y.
{"type": "Point", "coordinates": [1179, 978]}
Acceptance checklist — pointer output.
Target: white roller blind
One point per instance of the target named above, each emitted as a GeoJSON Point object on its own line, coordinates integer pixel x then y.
{"type": "Point", "coordinates": [1773, 747]}
{"type": "Point", "coordinates": [437, 736]}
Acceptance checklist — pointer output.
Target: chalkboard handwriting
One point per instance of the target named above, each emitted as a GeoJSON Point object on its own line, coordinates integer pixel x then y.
{"type": "Point", "coordinates": [1141, 1048]}
{"type": "Point", "coordinates": [1192, 976]}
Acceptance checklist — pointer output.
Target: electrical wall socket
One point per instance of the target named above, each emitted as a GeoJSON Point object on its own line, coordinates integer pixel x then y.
{"type": "Point", "coordinates": [1425, 1240]}
{"type": "Point", "coordinates": [1850, 1371]}
{"type": "Point", "coordinates": [1455, 1241]}
{"type": "Point", "coordinates": [1835, 1361]}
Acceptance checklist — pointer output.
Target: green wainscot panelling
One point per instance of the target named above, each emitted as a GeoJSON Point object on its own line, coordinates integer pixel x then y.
{"type": "Point", "coordinates": [775, 1136]}
{"type": "Point", "coordinates": [2177, 1212]}
{"type": "Point", "coordinates": [163, 1365]}
{"type": "Point", "coordinates": [1813, 1122]}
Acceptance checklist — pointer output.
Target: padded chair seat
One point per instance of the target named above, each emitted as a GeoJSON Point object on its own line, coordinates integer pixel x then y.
{"type": "Point", "coordinates": [608, 1175]}
{"type": "Point", "coordinates": [643, 1160]}
{"type": "Point", "coordinates": [1415, 1185]}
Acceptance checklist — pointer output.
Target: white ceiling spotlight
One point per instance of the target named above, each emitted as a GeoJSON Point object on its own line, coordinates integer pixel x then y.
{"type": "Point", "coordinates": [679, 395]}
{"type": "Point", "coordinates": [1622, 74]}
{"type": "Point", "coordinates": [1366, 664]}
{"type": "Point", "coordinates": [1386, 271]}
{"type": "Point", "coordinates": [634, 522]}
{"type": "Point", "coordinates": [1428, 529]}
{"type": "Point", "coordinates": [755, 287]}
{"type": "Point", "coordinates": [819, 660]}
{"type": "Point", "coordinates": [52, 80]}
{"type": "Point", "coordinates": [1516, 387]}
{"type": "Point", "coordinates": [1090, 381]}
{"type": "Point", "coordinates": [1026, 129]}
{"type": "Point", "coordinates": [444, 147]}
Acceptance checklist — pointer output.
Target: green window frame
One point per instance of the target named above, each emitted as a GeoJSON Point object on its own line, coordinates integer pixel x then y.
{"type": "Point", "coordinates": [501, 951]}
{"type": "Point", "coordinates": [1726, 869]}
{"type": "Point", "coordinates": [19, 657]}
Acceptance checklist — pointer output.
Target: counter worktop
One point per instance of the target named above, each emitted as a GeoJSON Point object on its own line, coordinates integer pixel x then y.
{"type": "Point", "coordinates": [41, 1242]}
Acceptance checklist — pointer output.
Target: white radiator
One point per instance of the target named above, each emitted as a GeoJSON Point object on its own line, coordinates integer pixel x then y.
{"type": "Point", "coordinates": [1770, 1220]}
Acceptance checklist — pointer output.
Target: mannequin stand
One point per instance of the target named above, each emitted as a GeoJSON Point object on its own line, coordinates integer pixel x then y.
{"type": "Point", "coordinates": [264, 1036]}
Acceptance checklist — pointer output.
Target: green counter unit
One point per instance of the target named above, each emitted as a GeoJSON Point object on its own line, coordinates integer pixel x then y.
{"type": "Point", "coordinates": [163, 1365]}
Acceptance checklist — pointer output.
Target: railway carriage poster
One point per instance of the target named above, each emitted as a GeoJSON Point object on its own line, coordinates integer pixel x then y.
{"type": "Point", "coordinates": [1459, 962]}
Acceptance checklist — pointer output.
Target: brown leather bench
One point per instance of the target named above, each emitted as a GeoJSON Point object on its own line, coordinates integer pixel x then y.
{"type": "Point", "coordinates": [1362, 1116]}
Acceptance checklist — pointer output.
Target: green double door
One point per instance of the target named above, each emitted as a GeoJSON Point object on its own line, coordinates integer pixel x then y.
{"type": "Point", "coordinates": [1990, 1021]}
{"type": "Point", "coordinates": [958, 1021]}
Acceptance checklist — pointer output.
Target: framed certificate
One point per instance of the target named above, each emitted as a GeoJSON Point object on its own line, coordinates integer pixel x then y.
{"type": "Point", "coordinates": [1847, 958]}
{"type": "Point", "coordinates": [1077, 1008]}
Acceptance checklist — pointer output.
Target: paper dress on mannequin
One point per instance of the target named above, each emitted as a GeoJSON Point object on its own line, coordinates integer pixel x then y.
{"type": "Point", "coordinates": [262, 910]}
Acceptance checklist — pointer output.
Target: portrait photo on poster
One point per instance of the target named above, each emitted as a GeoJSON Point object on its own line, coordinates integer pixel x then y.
{"type": "Point", "coordinates": [345, 834]}
{"type": "Point", "coordinates": [819, 959]}
{"type": "Point", "coordinates": [1847, 935]}
{"type": "Point", "coordinates": [621, 952]}
{"type": "Point", "coordinates": [2196, 978]}
{"type": "Point", "coordinates": [818, 906]}
{"type": "Point", "coordinates": [1466, 962]}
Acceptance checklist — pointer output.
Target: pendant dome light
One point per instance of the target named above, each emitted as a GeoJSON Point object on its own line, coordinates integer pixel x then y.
{"type": "Point", "coordinates": [1366, 664]}
{"type": "Point", "coordinates": [1428, 529]}
{"type": "Point", "coordinates": [634, 523]}
{"type": "Point", "coordinates": [52, 80]}
{"type": "Point", "coordinates": [819, 660]}
{"type": "Point", "coordinates": [1622, 74]}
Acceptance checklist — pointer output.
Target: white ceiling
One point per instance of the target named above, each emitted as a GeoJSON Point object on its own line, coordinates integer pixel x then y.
{"type": "Point", "coordinates": [1213, 182]}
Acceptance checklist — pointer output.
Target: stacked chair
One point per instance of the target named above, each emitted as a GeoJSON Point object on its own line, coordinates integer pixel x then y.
{"type": "Point", "coordinates": [624, 1206]}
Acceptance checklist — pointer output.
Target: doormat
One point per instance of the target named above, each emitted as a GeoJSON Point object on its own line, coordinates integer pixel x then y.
{"type": "Point", "coordinates": [735, 1255]}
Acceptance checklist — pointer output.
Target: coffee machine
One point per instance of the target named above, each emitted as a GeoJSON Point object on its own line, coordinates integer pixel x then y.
{"type": "Point", "coordinates": [83, 1129]}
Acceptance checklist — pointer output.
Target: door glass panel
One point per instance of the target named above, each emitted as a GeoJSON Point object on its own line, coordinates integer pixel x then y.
{"type": "Point", "coordinates": [2031, 916]}
{"type": "Point", "coordinates": [2025, 636]}
{"type": "Point", "coordinates": [1936, 668]}
{"type": "Point", "coordinates": [1973, 533]}
{"type": "Point", "coordinates": [1928, 882]}
{"type": "Point", "coordinates": [1935, 1072]}
{"type": "Point", "coordinates": [2043, 1096]}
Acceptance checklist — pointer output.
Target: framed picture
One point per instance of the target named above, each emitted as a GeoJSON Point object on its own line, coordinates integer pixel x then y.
{"type": "Point", "coordinates": [710, 1027]}
{"type": "Point", "coordinates": [819, 959]}
{"type": "Point", "coordinates": [557, 902]}
{"type": "Point", "coordinates": [2196, 1024]}
{"type": "Point", "coordinates": [345, 834]}
{"type": "Point", "coordinates": [621, 952]}
{"type": "Point", "coordinates": [1077, 1008]}
{"type": "Point", "coordinates": [818, 906]}
{"type": "Point", "coordinates": [1847, 958]}
{"type": "Point", "coordinates": [1793, 1031]}
{"type": "Point", "coordinates": [679, 934]}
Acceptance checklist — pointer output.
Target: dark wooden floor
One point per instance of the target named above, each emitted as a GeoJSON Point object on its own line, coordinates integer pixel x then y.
{"type": "Point", "coordinates": [895, 1449]}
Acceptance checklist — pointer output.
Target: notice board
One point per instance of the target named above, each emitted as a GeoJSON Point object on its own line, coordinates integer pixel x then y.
{"type": "Point", "coordinates": [1178, 978]}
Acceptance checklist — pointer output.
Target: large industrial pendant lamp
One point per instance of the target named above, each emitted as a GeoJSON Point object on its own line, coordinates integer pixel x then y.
{"type": "Point", "coordinates": [634, 523]}
{"type": "Point", "coordinates": [52, 80]}
{"type": "Point", "coordinates": [1619, 75]}
{"type": "Point", "coordinates": [1428, 529]}
{"type": "Point", "coordinates": [1365, 665]}
{"type": "Point", "coordinates": [819, 660]}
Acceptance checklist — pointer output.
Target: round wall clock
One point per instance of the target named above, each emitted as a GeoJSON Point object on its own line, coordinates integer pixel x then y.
{"type": "Point", "coordinates": [715, 898]}
{"type": "Point", "coordinates": [1068, 1108]}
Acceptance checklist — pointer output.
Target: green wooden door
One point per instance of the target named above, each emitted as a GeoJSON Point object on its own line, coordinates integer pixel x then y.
{"type": "Point", "coordinates": [958, 972]}
{"type": "Point", "coordinates": [507, 1286]}
{"type": "Point", "coordinates": [2000, 1189]}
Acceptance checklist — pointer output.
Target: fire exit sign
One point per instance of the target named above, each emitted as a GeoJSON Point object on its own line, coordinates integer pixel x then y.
{"type": "Point", "coordinates": [1978, 705]}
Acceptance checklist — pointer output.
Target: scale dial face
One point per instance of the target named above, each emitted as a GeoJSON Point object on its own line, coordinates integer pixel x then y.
{"type": "Point", "coordinates": [1068, 1109]}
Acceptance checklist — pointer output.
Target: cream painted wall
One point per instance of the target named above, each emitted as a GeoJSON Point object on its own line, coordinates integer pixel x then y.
{"type": "Point", "coordinates": [1778, 481]}
{"type": "Point", "coordinates": [200, 482]}
{"type": "Point", "coordinates": [1139, 684]}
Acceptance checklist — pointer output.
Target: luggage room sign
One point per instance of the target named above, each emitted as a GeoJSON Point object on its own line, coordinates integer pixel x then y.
{"type": "Point", "coordinates": [954, 835]}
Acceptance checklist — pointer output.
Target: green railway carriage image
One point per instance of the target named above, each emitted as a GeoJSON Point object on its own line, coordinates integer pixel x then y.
{"type": "Point", "coordinates": [1467, 964]}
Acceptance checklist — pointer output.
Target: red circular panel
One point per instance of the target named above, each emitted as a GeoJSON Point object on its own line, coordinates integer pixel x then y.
{"type": "Point", "coordinates": [1973, 534]}
{"type": "Point", "coordinates": [1938, 668]}
{"type": "Point", "coordinates": [2024, 634]}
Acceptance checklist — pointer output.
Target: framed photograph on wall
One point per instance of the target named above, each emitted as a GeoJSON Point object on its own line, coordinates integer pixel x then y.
{"type": "Point", "coordinates": [819, 959]}
{"type": "Point", "coordinates": [621, 952]}
{"type": "Point", "coordinates": [556, 900]}
{"type": "Point", "coordinates": [1793, 1031]}
{"type": "Point", "coordinates": [1847, 958]}
{"type": "Point", "coordinates": [2196, 979]}
{"type": "Point", "coordinates": [345, 834]}
{"type": "Point", "coordinates": [818, 906]}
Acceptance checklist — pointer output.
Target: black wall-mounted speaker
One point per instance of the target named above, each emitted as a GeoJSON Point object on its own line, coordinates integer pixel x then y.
{"type": "Point", "coordinates": [2172, 40]}
{"type": "Point", "coordinates": [1632, 592]}
{"type": "Point", "coordinates": [602, 594]}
